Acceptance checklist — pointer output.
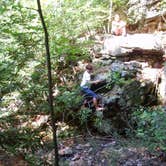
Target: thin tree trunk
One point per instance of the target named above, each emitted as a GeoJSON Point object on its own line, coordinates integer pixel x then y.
{"type": "Point", "coordinates": [110, 18]}
{"type": "Point", "coordinates": [53, 121]}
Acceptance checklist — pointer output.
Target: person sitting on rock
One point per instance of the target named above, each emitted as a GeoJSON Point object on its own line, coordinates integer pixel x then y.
{"type": "Point", "coordinates": [85, 86]}
{"type": "Point", "coordinates": [118, 26]}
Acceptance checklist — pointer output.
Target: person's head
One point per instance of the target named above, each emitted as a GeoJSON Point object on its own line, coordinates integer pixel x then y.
{"type": "Point", "coordinates": [116, 17]}
{"type": "Point", "coordinates": [89, 68]}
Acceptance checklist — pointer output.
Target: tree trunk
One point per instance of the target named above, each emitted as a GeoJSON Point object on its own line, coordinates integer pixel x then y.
{"type": "Point", "coordinates": [53, 121]}
{"type": "Point", "coordinates": [109, 18]}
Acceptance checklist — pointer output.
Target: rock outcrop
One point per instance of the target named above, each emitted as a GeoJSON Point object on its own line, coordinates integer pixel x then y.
{"type": "Point", "coordinates": [138, 59]}
{"type": "Point", "coordinates": [126, 86]}
{"type": "Point", "coordinates": [147, 15]}
{"type": "Point", "coordinates": [134, 45]}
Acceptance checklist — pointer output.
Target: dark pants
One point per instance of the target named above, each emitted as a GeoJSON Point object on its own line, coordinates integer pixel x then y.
{"type": "Point", "coordinates": [88, 92]}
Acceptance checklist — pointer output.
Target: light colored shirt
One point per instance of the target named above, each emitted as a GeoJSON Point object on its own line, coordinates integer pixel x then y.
{"type": "Point", "coordinates": [117, 25]}
{"type": "Point", "coordinates": [85, 79]}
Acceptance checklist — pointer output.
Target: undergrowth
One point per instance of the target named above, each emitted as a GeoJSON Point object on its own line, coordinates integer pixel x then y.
{"type": "Point", "coordinates": [149, 126]}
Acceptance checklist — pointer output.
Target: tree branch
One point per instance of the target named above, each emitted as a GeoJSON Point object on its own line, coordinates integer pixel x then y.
{"type": "Point", "coordinates": [31, 9]}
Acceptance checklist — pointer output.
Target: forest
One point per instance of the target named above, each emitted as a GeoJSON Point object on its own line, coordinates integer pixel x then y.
{"type": "Point", "coordinates": [45, 48]}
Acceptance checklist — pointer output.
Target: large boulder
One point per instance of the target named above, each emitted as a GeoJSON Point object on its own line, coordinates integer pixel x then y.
{"type": "Point", "coordinates": [125, 87]}
{"type": "Point", "coordinates": [131, 44]}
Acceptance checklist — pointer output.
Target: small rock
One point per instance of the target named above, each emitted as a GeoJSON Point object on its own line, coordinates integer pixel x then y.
{"type": "Point", "coordinates": [76, 157]}
{"type": "Point", "coordinates": [79, 162]}
{"type": "Point", "coordinates": [66, 151]}
{"type": "Point", "coordinates": [90, 150]}
{"type": "Point", "coordinates": [109, 144]}
{"type": "Point", "coordinates": [80, 146]}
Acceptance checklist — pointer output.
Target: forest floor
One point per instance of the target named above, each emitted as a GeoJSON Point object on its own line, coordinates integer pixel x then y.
{"type": "Point", "coordinates": [90, 149]}
{"type": "Point", "coordinates": [93, 151]}
{"type": "Point", "coordinates": [107, 151]}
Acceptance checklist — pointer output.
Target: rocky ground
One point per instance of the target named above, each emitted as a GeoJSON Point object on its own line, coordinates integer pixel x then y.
{"type": "Point", "coordinates": [93, 151]}
{"type": "Point", "coordinates": [105, 151]}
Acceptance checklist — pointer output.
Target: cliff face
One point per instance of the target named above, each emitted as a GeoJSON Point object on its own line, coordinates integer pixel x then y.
{"type": "Point", "coordinates": [144, 44]}
{"type": "Point", "coordinates": [138, 58]}
{"type": "Point", "coordinates": [147, 15]}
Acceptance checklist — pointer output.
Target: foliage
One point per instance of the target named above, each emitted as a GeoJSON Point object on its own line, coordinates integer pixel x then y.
{"type": "Point", "coordinates": [84, 115]}
{"type": "Point", "coordinates": [103, 125]}
{"type": "Point", "coordinates": [162, 5]}
{"type": "Point", "coordinates": [67, 20]}
{"type": "Point", "coordinates": [115, 78]}
{"type": "Point", "coordinates": [33, 160]}
{"type": "Point", "coordinates": [22, 63]}
{"type": "Point", "coordinates": [68, 100]}
{"type": "Point", "coordinates": [150, 126]}
{"type": "Point", "coordinates": [19, 45]}
{"type": "Point", "coordinates": [120, 6]}
{"type": "Point", "coordinates": [24, 140]}
{"type": "Point", "coordinates": [65, 131]}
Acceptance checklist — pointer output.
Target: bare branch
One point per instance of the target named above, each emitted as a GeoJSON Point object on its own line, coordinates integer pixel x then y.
{"type": "Point", "coordinates": [31, 9]}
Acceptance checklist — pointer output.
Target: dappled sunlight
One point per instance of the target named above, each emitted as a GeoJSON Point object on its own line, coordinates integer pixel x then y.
{"type": "Point", "coordinates": [158, 77]}
{"type": "Point", "coordinates": [162, 87]}
{"type": "Point", "coordinates": [150, 74]}
{"type": "Point", "coordinates": [144, 41]}
{"type": "Point", "coordinates": [10, 104]}
{"type": "Point", "coordinates": [129, 81]}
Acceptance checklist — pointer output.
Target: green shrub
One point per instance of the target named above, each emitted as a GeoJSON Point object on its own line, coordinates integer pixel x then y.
{"type": "Point", "coordinates": [115, 78]}
{"type": "Point", "coordinates": [103, 126]}
{"type": "Point", "coordinates": [84, 115]}
{"type": "Point", "coordinates": [151, 126]}
{"type": "Point", "coordinates": [15, 140]}
{"type": "Point", "coordinates": [68, 100]}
